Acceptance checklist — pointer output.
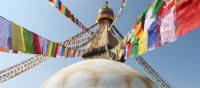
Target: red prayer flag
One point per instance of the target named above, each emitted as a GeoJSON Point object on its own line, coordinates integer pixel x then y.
{"type": "Point", "coordinates": [187, 16]}
{"type": "Point", "coordinates": [56, 50]}
{"type": "Point", "coordinates": [69, 52]}
{"type": "Point", "coordinates": [37, 47]}
{"type": "Point", "coordinates": [129, 48]}
{"type": "Point", "coordinates": [68, 13]}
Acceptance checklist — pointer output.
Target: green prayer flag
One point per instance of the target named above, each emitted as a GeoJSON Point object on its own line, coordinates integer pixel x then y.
{"type": "Point", "coordinates": [28, 41]}
{"type": "Point", "coordinates": [32, 42]}
{"type": "Point", "coordinates": [23, 42]}
{"type": "Point", "coordinates": [135, 43]}
{"type": "Point", "coordinates": [156, 7]}
{"type": "Point", "coordinates": [53, 48]}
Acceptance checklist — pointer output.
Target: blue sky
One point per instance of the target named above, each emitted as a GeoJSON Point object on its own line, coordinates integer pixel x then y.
{"type": "Point", "coordinates": [177, 62]}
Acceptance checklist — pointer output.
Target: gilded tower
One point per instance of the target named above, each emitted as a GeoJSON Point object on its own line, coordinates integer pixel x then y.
{"type": "Point", "coordinates": [100, 46]}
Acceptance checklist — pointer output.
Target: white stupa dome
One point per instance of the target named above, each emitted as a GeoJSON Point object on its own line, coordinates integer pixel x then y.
{"type": "Point", "coordinates": [98, 73]}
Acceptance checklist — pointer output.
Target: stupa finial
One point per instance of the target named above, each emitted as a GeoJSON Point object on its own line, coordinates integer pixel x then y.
{"type": "Point", "coordinates": [106, 3]}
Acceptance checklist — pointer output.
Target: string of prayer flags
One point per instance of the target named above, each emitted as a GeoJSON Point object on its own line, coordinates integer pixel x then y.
{"type": "Point", "coordinates": [76, 37]}
{"type": "Point", "coordinates": [77, 42]}
{"type": "Point", "coordinates": [65, 11]}
{"type": "Point", "coordinates": [16, 38]}
{"type": "Point", "coordinates": [72, 39]}
{"type": "Point", "coordinates": [162, 22]}
{"type": "Point", "coordinates": [119, 13]}
{"type": "Point", "coordinates": [79, 46]}
{"type": "Point", "coordinates": [19, 68]}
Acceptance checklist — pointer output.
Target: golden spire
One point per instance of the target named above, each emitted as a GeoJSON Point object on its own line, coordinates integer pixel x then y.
{"type": "Point", "coordinates": [105, 13]}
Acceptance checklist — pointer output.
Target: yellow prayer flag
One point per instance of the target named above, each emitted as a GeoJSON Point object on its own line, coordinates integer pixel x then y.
{"type": "Point", "coordinates": [120, 53]}
{"type": "Point", "coordinates": [16, 38]}
{"type": "Point", "coordinates": [143, 43]}
{"type": "Point", "coordinates": [23, 42]}
{"type": "Point", "coordinates": [66, 52]}
{"type": "Point", "coordinates": [49, 48]}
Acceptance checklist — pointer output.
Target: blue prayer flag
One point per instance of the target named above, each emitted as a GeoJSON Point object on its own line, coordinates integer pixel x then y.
{"type": "Point", "coordinates": [152, 36]}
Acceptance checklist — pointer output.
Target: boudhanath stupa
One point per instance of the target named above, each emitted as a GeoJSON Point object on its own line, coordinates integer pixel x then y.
{"type": "Point", "coordinates": [99, 70]}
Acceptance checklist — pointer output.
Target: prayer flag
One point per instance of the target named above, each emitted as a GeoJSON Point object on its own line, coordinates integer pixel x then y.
{"type": "Point", "coordinates": [119, 51]}
{"type": "Point", "coordinates": [16, 38]}
{"type": "Point", "coordinates": [129, 47]}
{"type": "Point", "coordinates": [167, 5]}
{"type": "Point", "coordinates": [150, 26]}
{"type": "Point", "coordinates": [148, 19]}
{"type": "Point", "coordinates": [135, 44]}
{"type": "Point", "coordinates": [68, 13]}
{"type": "Point", "coordinates": [142, 48]}
{"type": "Point", "coordinates": [152, 36]}
{"type": "Point", "coordinates": [139, 29]}
{"type": "Point", "coordinates": [69, 52]}
{"type": "Point", "coordinates": [4, 33]}
{"type": "Point", "coordinates": [62, 9]}
{"type": "Point", "coordinates": [120, 54]}
{"type": "Point", "coordinates": [62, 51]}
{"type": "Point", "coordinates": [27, 41]}
{"type": "Point", "coordinates": [167, 27]}
{"type": "Point", "coordinates": [23, 41]}
{"type": "Point", "coordinates": [36, 42]}
{"type": "Point", "coordinates": [156, 7]}
{"type": "Point", "coordinates": [187, 14]}
{"type": "Point", "coordinates": [59, 5]}
{"type": "Point", "coordinates": [45, 47]}
{"type": "Point", "coordinates": [53, 48]}
{"type": "Point", "coordinates": [49, 48]}
{"type": "Point", "coordinates": [32, 42]}
{"type": "Point", "coordinates": [41, 41]}
{"type": "Point", "coordinates": [66, 52]}
{"type": "Point", "coordinates": [10, 36]}
{"type": "Point", "coordinates": [56, 50]}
